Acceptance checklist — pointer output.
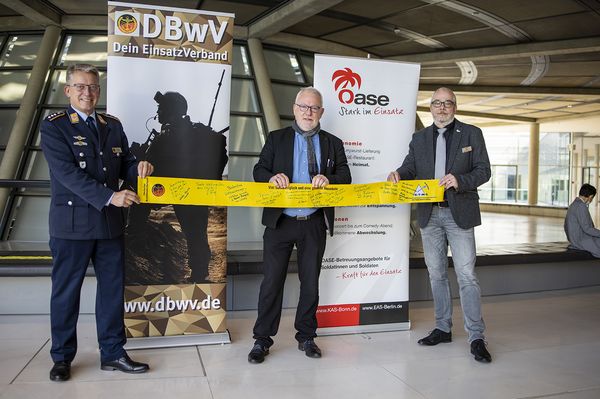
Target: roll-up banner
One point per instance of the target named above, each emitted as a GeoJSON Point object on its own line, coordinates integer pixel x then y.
{"type": "Point", "coordinates": [371, 106]}
{"type": "Point", "coordinates": [169, 80]}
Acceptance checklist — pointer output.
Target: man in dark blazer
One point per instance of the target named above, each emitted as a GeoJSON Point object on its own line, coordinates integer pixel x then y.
{"type": "Point", "coordinates": [88, 154]}
{"type": "Point", "coordinates": [302, 153]}
{"type": "Point", "coordinates": [455, 153]}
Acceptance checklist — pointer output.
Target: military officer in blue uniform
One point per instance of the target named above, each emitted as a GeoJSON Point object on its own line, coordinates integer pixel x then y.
{"type": "Point", "coordinates": [88, 155]}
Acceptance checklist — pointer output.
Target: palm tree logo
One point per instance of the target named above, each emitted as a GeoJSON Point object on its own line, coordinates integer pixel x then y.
{"type": "Point", "coordinates": [345, 78]}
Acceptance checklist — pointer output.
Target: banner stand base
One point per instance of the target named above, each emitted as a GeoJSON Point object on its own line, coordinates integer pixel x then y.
{"type": "Point", "coordinates": [178, 340]}
{"type": "Point", "coordinates": [368, 328]}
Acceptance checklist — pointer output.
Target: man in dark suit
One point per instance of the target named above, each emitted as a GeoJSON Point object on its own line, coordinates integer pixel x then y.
{"type": "Point", "coordinates": [455, 153]}
{"type": "Point", "coordinates": [87, 154]}
{"type": "Point", "coordinates": [302, 153]}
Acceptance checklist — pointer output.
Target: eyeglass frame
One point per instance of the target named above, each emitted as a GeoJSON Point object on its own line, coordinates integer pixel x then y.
{"type": "Point", "coordinates": [313, 108]}
{"type": "Point", "coordinates": [444, 103]}
{"type": "Point", "coordinates": [80, 87]}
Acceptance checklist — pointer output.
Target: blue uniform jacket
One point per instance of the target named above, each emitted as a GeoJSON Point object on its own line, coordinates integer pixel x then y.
{"type": "Point", "coordinates": [84, 173]}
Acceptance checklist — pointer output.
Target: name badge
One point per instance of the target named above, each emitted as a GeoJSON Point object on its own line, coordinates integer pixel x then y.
{"type": "Point", "coordinates": [467, 149]}
{"type": "Point", "coordinates": [82, 164]}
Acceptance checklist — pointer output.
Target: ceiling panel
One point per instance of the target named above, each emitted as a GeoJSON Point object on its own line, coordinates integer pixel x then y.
{"type": "Point", "coordinates": [318, 25]}
{"type": "Point", "coordinates": [591, 68]}
{"type": "Point", "coordinates": [499, 81]}
{"type": "Point", "coordinates": [433, 20]}
{"type": "Point", "coordinates": [546, 114]}
{"type": "Point", "coordinates": [375, 8]}
{"type": "Point", "coordinates": [519, 10]}
{"type": "Point", "coordinates": [89, 6]}
{"type": "Point", "coordinates": [516, 71]}
{"type": "Point", "coordinates": [563, 27]}
{"type": "Point", "coordinates": [7, 12]}
{"type": "Point", "coordinates": [481, 38]}
{"type": "Point", "coordinates": [585, 108]}
{"type": "Point", "coordinates": [362, 36]}
{"type": "Point", "coordinates": [244, 12]}
{"type": "Point", "coordinates": [559, 81]}
{"type": "Point", "coordinates": [398, 48]}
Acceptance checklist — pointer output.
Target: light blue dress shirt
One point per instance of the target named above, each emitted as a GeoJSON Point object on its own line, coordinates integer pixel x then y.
{"type": "Point", "coordinates": [300, 174]}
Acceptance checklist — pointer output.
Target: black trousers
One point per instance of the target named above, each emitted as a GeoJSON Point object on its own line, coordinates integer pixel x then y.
{"type": "Point", "coordinates": [309, 237]}
{"type": "Point", "coordinates": [70, 261]}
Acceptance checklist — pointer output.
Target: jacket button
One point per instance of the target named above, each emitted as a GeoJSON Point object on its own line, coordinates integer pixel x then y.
{"type": "Point", "coordinates": [69, 203]}
{"type": "Point", "coordinates": [104, 168]}
{"type": "Point", "coordinates": [81, 154]}
{"type": "Point", "coordinates": [104, 184]}
{"type": "Point", "coordinates": [101, 153]}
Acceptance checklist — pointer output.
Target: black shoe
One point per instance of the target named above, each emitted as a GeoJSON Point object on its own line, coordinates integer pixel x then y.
{"type": "Point", "coordinates": [126, 365]}
{"type": "Point", "coordinates": [257, 354]}
{"type": "Point", "coordinates": [310, 348]}
{"type": "Point", "coordinates": [480, 352]}
{"type": "Point", "coordinates": [61, 371]}
{"type": "Point", "coordinates": [435, 337]}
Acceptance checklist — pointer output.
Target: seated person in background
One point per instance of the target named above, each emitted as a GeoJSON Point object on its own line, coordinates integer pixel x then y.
{"type": "Point", "coordinates": [579, 226]}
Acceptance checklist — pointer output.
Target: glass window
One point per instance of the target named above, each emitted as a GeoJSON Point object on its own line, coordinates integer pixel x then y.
{"type": "Point", "coordinates": [553, 178]}
{"type": "Point", "coordinates": [36, 132]}
{"type": "Point", "coordinates": [240, 168]}
{"type": "Point", "coordinates": [12, 86]}
{"type": "Point", "coordinates": [245, 224]}
{"type": "Point", "coordinates": [89, 49]}
{"type": "Point", "coordinates": [241, 61]}
{"type": "Point", "coordinates": [7, 120]}
{"type": "Point", "coordinates": [29, 219]}
{"type": "Point", "coordinates": [21, 50]}
{"type": "Point", "coordinates": [56, 94]}
{"type": "Point", "coordinates": [283, 66]}
{"type": "Point", "coordinates": [246, 134]}
{"type": "Point", "coordinates": [36, 167]}
{"type": "Point", "coordinates": [308, 63]}
{"type": "Point", "coordinates": [243, 96]}
{"type": "Point", "coordinates": [285, 96]}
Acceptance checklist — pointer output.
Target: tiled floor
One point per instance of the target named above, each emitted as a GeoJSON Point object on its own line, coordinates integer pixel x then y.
{"type": "Point", "coordinates": [545, 345]}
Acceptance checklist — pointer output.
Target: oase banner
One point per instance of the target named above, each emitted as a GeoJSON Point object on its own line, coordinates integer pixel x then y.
{"type": "Point", "coordinates": [169, 80]}
{"type": "Point", "coordinates": [371, 106]}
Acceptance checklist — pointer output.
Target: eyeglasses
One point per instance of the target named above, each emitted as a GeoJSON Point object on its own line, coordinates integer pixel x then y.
{"type": "Point", "coordinates": [305, 108]}
{"type": "Point", "coordinates": [447, 103]}
{"type": "Point", "coordinates": [81, 87]}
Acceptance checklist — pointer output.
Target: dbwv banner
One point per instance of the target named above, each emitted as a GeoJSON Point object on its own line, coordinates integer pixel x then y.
{"type": "Point", "coordinates": [371, 105]}
{"type": "Point", "coordinates": [169, 80]}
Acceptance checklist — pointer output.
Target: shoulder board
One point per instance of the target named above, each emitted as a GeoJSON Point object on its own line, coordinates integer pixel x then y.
{"type": "Point", "coordinates": [111, 116]}
{"type": "Point", "coordinates": [56, 115]}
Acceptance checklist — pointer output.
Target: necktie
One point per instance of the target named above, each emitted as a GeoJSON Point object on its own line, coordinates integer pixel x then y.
{"type": "Point", "coordinates": [440, 154]}
{"type": "Point", "coordinates": [313, 169]}
{"type": "Point", "coordinates": [92, 125]}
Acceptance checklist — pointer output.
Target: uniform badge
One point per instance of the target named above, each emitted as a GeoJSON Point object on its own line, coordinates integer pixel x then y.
{"type": "Point", "coordinates": [82, 164]}
{"type": "Point", "coordinates": [79, 143]}
{"type": "Point", "coordinates": [467, 149]}
{"type": "Point", "coordinates": [74, 117]}
{"type": "Point", "coordinates": [100, 119]}
{"type": "Point", "coordinates": [79, 138]}
{"type": "Point", "coordinates": [117, 150]}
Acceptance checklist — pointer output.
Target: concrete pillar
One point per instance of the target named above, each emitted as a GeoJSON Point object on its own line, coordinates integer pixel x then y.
{"type": "Point", "coordinates": [25, 114]}
{"type": "Point", "coordinates": [534, 162]}
{"type": "Point", "coordinates": [263, 82]}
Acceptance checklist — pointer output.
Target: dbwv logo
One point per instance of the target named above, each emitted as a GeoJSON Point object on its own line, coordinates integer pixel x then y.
{"type": "Point", "coordinates": [346, 79]}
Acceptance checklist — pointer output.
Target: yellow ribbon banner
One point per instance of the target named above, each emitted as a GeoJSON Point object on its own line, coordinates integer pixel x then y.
{"type": "Point", "coordinates": [171, 190]}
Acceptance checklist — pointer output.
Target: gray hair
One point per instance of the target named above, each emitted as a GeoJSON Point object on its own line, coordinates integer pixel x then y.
{"type": "Point", "coordinates": [447, 90]}
{"type": "Point", "coordinates": [310, 90]}
{"type": "Point", "coordinates": [87, 68]}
